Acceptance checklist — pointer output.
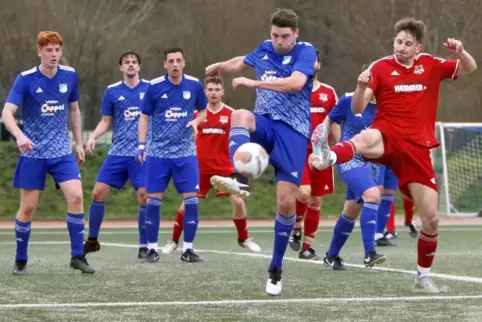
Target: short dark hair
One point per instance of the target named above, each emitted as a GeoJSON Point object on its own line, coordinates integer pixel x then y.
{"type": "Point", "coordinates": [415, 27]}
{"type": "Point", "coordinates": [213, 80]}
{"type": "Point", "coordinates": [285, 18]}
{"type": "Point", "coordinates": [129, 53]}
{"type": "Point", "coordinates": [317, 55]}
{"type": "Point", "coordinates": [172, 50]}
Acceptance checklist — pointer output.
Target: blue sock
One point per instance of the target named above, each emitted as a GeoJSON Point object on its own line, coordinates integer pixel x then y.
{"type": "Point", "coordinates": [96, 216]}
{"type": "Point", "coordinates": [283, 227]}
{"type": "Point", "coordinates": [237, 137]}
{"type": "Point", "coordinates": [22, 235]}
{"type": "Point", "coordinates": [141, 224]}
{"type": "Point", "coordinates": [153, 220]}
{"type": "Point", "coordinates": [191, 218]}
{"type": "Point", "coordinates": [368, 225]}
{"type": "Point", "coordinates": [343, 228]}
{"type": "Point", "coordinates": [384, 212]}
{"type": "Point", "coordinates": [75, 225]}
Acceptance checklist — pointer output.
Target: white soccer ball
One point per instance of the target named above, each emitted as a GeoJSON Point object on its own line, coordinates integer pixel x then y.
{"type": "Point", "coordinates": [251, 160]}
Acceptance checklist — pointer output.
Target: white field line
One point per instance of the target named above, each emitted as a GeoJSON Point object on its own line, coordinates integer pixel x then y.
{"type": "Point", "coordinates": [460, 278]}
{"type": "Point", "coordinates": [244, 302]}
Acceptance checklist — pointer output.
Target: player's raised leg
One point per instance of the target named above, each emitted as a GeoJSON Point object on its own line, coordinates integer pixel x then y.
{"type": "Point", "coordinates": [243, 123]}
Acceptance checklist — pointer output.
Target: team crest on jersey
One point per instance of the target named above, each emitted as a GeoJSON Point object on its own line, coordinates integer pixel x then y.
{"type": "Point", "coordinates": [323, 97]}
{"type": "Point", "coordinates": [141, 95]}
{"type": "Point", "coordinates": [418, 70]}
{"type": "Point", "coordinates": [63, 88]}
{"type": "Point", "coordinates": [186, 95]}
{"type": "Point", "coordinates": [286, 60]}
{"type": "Point", "coordinates": [223, 119]}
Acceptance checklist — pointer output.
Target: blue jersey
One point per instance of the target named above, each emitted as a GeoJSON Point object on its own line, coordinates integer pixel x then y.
{"type": "Point", "coordinates": [124, 105]}
{"type": "Point", "coordinates": [291, 108]}
{"type": "Point", "coordinates": [352, 125]}
{"type": "Point", "coordinates": [45, 109]}
{"type": "Point", "coordinates": [170, 108]}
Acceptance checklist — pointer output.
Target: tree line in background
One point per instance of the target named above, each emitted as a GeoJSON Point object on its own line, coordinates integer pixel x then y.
{"type": "Point", "coordinates": [348, 33]}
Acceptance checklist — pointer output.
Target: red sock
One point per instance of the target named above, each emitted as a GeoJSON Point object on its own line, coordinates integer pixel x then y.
{"type": "Point", "coordinates": [427, 245]}
{"type": "Point", "coordinates": [242, 228]}
{"type": "Point", "coordinates": [178, 226]}
{"type": "Point", "coordinates": [300, 214]}
{"type": "Point", "coordinates": [409, 207]}
{"type": "Point", "coordinates": [391, 220]}
{"type": "Point", "coordinates": [312, 220]}
{"type": "Point", "coordinates": [345, 151]}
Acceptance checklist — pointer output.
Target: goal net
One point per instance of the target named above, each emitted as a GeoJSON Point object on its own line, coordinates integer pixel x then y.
{"type": "Point", "coordinates": [458, 167]}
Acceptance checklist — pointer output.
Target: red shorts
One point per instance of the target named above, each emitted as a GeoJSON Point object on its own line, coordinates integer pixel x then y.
{"type": "Point", "coordinates": [409, 161]}
{"type": "Point", "coordinates": [205, 184]}
{"type": "Point", "coordinates": [321, 182]}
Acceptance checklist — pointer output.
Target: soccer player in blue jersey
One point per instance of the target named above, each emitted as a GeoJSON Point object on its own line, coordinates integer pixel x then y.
{"type": "Point", "coordinates": [122, 106]}
{"type": "Point", "coordinates": [170, 152]}
{"type": "Point", "coordinates": [280, 122]}
{"type": "Point", "coordinates": [361, 179]}
{"type": "Point", "coordinates": [48, 95]}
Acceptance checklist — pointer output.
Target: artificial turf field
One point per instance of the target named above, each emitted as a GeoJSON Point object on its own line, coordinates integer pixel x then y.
{"type": "Point", "coordinates": [229, 285]}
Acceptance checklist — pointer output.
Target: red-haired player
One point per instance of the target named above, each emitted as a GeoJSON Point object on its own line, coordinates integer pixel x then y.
{"type": "Point", "coordinates": [314, 183]}
{"type": "Point", "coordinates": [212, 144]}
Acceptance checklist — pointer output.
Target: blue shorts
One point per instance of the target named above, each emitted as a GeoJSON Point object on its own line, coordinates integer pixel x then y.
{"type": "Point", "coordinates": [31, 173]}
{"type": "Point", "coordinates": [387, 178]}
{"type": "Point", "coordinates": [285, 146]}
{"type": "Point", "coordinates": [358, 177]}
{"type": "Point", "coordinates": [184, 173]}
{"type": "Point", "coordinates": [116, 170]}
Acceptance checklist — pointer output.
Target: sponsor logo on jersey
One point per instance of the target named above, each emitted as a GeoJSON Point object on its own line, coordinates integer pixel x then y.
{"type": "Point", "coordinates": [49, 108]}
{"type": "Point", "coordinates": [213, 131]}
{"type": "Point", "coordinates": [131, 113]}
{"type": "Point", "coordinates": [318, 110]}
{"type": "Point", "coordinates": [269, 75]}
{"type": "Point", "coordinates": [409, 88]}
{"type": "Point", "coordinates": [175, 113]}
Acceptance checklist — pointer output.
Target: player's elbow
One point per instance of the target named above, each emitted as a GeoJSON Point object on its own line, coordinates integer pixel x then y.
{"type": "Point", "coordinates": [297, 85]}
{"type": "Point", "coordinates": [7, 112]}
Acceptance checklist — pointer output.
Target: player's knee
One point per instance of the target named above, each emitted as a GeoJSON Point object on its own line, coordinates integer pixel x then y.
{"type": "Point", "coordinates": [315, 202]}
{"type": "Point", "coordinates": [366, 140]}
{"type": "Point", "coordinates": [371, 195]}
{"type": "Point", "coordinates": [242, 118]}
{"type": "Point", "coordinates": [26, 210]}
{"type": "Point", "coordinates": [304, 194]}
{"type": "Point", "coordinates": [430, 220]}
{"type": "Point", "coordinates": [75, 198]}
{"type": "Point", "coordinates": [100, 193]}
{"type": "Point", "coordinates": [286, 204]}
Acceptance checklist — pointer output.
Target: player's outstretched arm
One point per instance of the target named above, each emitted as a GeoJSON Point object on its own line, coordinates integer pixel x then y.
{"type": "Point", "coordinates": [467, 64]}
{"type": "Point", "coordinates": [292, 84]}
{"type": "Point", "coordinates": [99, 131]}
{"type": "Point", "coordinates": [234, 65]}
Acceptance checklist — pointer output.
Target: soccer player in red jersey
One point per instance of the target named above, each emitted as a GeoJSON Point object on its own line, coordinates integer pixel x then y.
{"type": "Point", "coordinates": [406, 85]}
{"type": "Point", "coordinates": [409, 209]}
{"type": "Point", "coordinates": [212, 144]}
{"type": "Point", "coordinates": [314, 183]}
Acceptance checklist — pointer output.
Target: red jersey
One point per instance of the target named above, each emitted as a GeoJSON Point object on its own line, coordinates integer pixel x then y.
{"type": "Point", "coordinates": [407, 97]}
{"type": "Point", "coordinates": [212, 142]}
{"type": "Point", "coordinates": [323, 100]}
